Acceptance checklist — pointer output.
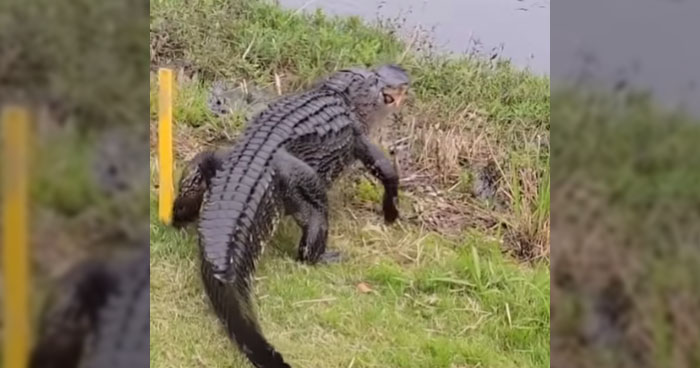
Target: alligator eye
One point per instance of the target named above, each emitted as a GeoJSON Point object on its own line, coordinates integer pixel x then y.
{"type": "Point", "coordinates": [388, 99]}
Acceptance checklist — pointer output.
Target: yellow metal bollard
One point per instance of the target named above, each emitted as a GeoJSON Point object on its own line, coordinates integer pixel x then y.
{"type": "Point", "coordinates": [15, 139]}
{"type": "Point", "coordinates": [165, 144]}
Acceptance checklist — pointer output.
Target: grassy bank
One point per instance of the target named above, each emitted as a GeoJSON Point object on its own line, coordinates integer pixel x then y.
{"type": "Point", "coordinates": [625, 223]}
{"type": "Point", "coordinates": [462, 281]}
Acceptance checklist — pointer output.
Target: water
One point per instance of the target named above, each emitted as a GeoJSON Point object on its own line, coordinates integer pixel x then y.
{"type": "Point", "coordinates": [520, 27]}
{"type": "Point", "coordinates": [649, 44]}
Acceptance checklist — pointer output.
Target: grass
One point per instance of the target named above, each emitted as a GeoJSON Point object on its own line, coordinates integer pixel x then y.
{"type": "Point", "coordinates": [626, 209]}
{"type": "Point", "coordinates": [432, 303]}
{"type": "Point", "coordinates": [74, 58]}
{"type": "Point", "coordinates": [72, 215]}
{"type": "Point", "coordinates": [447, 287]}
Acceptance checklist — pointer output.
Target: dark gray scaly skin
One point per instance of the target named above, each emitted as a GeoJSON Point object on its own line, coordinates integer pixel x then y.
{"type": "Point", "coordinates": [284, 163]}
{"type": "Point", "coordinates": [71, 315]}
{"type": "Point", "coordinates": [98, 318]}
{"type": "Point", "coordinates": [123, 337]}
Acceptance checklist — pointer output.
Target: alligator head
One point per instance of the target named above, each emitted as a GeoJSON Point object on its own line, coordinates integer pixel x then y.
{"type": "Point", "coordinates": [373, 94]}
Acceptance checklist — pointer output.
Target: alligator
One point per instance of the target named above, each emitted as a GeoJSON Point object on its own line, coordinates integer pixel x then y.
{"type": "Point", "coordinates": [97, 317]}
{"type": "Point", "coordinates": [283, 163]}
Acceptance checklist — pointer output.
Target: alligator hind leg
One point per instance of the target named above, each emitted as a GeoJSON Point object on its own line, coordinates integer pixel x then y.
{"type": "Point", "coordinates": [306, 201]}
{"type": "Point", "coordinates": [194, 182]}
{"type": "Point", "coordinates": [314, 238]}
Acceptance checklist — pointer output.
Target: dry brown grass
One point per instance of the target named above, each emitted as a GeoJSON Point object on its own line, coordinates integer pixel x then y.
{"type": "Point", "coordinates": [452, 169]}
{"type": "Point", "coordinates": [612, 309]}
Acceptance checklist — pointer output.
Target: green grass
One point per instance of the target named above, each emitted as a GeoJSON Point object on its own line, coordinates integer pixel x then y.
{"type": "Point", "coordinates": [68, 197]}
{"type": "Point", "coordinates": [84, 58]}
{"type": "Point", "coordinates": [433, 303]}
{"type": "Point", "coordinates": [436, 300]}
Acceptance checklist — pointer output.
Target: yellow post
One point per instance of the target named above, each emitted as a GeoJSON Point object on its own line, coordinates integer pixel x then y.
{"type": "Point", "coordinates": [15, 131]}
{"type": "Point", "coordinates": [165, 144]}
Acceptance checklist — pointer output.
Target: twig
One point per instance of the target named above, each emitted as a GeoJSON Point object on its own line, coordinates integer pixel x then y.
{"type": "Point", "coordinates": [453, 187]}
{"type": "Point", "coordinates": [309, 301]}
{"type": "Point", "coordinates": [244, 87]}
{"type": "Point", "coordinates": [304, 6]}
{"type": "Point", "coordinates": [510, 321]}
{"type": "Point", "coordinates": [399, 141]}
{"type": "Point", "coordinates": [247, 50]}
{"type": "Point", "coordinates": [411, 134]}
{"type": "Point", "coordinates": [410, 44]}
{"type": "Point", "coordinates": [503, 173]}
{"type": "Point", "coordinates": [278, 84]}
{"type": "Point", "coordinates": [472, 326]}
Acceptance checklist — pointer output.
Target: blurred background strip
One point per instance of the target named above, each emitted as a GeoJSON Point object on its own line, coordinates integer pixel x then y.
{"type": "Point", "coordinates": [165, 144]}
{"type": "Point", "coordinates": [15, 130]}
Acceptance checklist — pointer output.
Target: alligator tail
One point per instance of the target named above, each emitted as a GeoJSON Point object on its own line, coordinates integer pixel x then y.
{"type": "Point", "coordinates": [232, 304]}
{"type": "Point", "coordinates": [233, 230]}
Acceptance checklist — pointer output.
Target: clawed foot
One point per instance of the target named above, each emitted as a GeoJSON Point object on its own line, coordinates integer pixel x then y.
{"type": "Point", "coordinates": [391, 212]}
{"type": "Point", "coordinates": [331, 257]}
{"type": "Point", "coordinates": [328, 257]}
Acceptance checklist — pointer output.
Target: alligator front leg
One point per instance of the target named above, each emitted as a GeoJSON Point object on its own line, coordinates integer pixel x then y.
{"type": "Point", "coordinates": [379, 165]}
{"type": "Point", "coordinates": [306, 201]}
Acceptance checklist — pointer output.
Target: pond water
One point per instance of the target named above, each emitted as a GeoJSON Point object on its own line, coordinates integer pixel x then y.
{"type": "Point", "coordinates": [652, 44]}
{"type": "Point", "coordinates": [515, 29]}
